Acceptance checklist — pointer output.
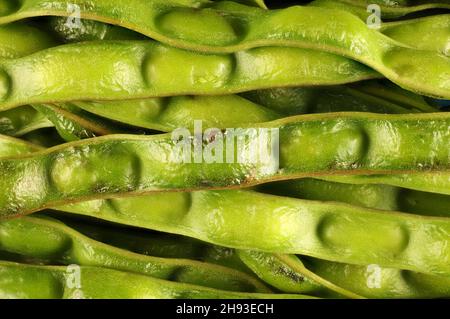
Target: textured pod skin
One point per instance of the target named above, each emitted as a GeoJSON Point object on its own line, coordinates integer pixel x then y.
{"type": "Point", "coordinates": [427, 33]}
{"type": "Point", "coordinates": [73, 123]}
{"type": "Point", "coordinates": [377, 196]}
{"type": "Point", "coordinates": [140, 69]}
{"type": "Point", "coordinates": [276, 270]}
{"type": "Point", "coordinates": [423, 181]}
{"type": "Point", "coordinates": [229, 27]}
{"type": "Point", "coordinates": [272, 268]}
{"type": "Point", "coordinates": [376, 282]}
{"type": "Point", "coordinates": [20, 281]}
{"type": "Point", "coordinates": [164, 114]}
{"type": "Point", "coordinates": [331, 231]}
{"type": "Point", "coordinates": [350, 143]}
{"type": "Point", "coordinates": [268, 266]}
{"type": "Point", "coordinates": [56, 243]}
{"type": "Point", "coordinates": [278, 275]}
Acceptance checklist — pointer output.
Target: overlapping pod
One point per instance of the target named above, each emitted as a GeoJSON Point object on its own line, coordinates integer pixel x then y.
{"type": "Point", "coordinates": [140, 69]}
{"type": "Point", "coordinates": [58, 282]}
{"type": "Point", "coordinates": [388, 9]}
{"type": "Point", "coordinates": [229, 27]}
{"type": "Point", "coordinates": [157, 244]}
{"type": "Point", "coordinates": [116, 165]}
{"type": "Point", "coordinates": [332, 231]}
{"type": "Point", "coordinates": [377, 196]}
{"type": "Point", "coordinates": [22, 120]}
{"type": "Point", "coordinates": [10, 146]}
{"type": "Point", "coordinates": [274, 270]}
{"type": "Point", "coordinates": [19, 39]}
{"type": "Point", "coordinates": [127, 206]}
{"type": "Point", "coordinates": [166, 114]}
{"type": "Point", "coordinates": [437, 182]}
{"type": "Point", "coordinates": [73, 123]}
{"type": "Point", "coordinates": [287, 273]}
{"type": "Point", "coordinates": [29, 236]}
{"type": "Point", "coordinates": [373, 281]}
{"type": "Point", "coordinates": [406, 32]}
{"type": "Point", "coordinates": [416, 32]}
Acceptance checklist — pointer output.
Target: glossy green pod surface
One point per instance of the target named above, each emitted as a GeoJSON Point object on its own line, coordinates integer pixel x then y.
{"type": "Point", "coordinates": [327, 230]}
{"type": "Point", "coordinates": [20, 281]}
{"type": "Point", "coordinates": [139, 69]}
{"type": "Point", "coordinates": [278, 271]}
{"type": "Point", "coordinates": [427, 33]}
{"type": "Point", "coordinates": [19, 39]}
{"type": "Point", "coordinates": [377, 196]}
{"type": "Point", "coordinates": [436, 182]}
{"type": "Point", "coordinates": [117, 165]}
{"type": "Point", "coordinates": [229, 27]}
{"type": "Point", "coordinates": [10, 146]}
{"type": "Point", "coordinates": [389, 9]}
{"type": "Point", "coordinates": [319, 278]}
{"type": "Point", "coordinates": [373, 281]}
{"type": "Point", "coordinates": [53, 241]}
{"type": "Point", "coordinates": [73, 123]}
{"type": "Point", "coordinates": [22, 120]}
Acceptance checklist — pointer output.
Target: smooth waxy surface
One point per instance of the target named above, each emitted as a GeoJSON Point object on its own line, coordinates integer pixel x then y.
{"type": "Point", "coordinates": [350, 143]}
{"type": "Point", "coordinates": [230, 27]}
{"type": "Point", "coordinates": [20, 281]}
{"type": "Point", "coordinates": [56, 243]}
{"type": "Point", "coordinates": [138, 69]}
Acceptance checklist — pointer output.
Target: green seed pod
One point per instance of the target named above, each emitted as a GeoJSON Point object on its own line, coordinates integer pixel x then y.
{"type": "Point", "coordinates": [226, 27]}
{"type": "Point", "coordinates": [117, 165]}
{"type": "Point", "coordinates": [150, 72]}
{"type": "Point", "coordinates": [58, 282]}
{"type": "Point", "coordinates": [388, 9]}
{"type": "Point", "coordinates": [30, 237]}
